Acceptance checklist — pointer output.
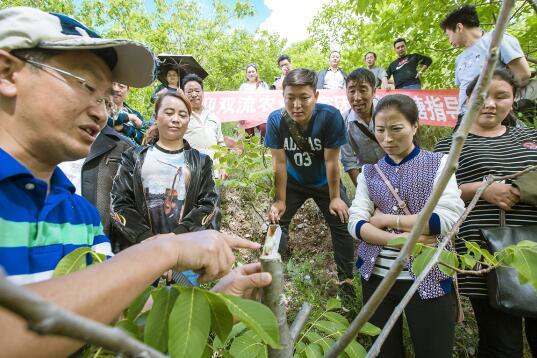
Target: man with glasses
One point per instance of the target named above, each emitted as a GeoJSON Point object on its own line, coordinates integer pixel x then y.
{"type": "Point", "coordinates": [55, 83]}
{"type": "Point", "coordinates": [305, 138]}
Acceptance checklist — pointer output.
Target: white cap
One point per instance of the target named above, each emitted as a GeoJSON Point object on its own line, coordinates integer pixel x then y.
{"type": "Point", "coordinates": [132, 63]}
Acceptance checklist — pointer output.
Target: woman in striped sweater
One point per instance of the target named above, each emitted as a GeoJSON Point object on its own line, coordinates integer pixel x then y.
{"type": "Point", "coordinates": [376, 218]}
{"type": "Point", "coordinates": [494, 147]}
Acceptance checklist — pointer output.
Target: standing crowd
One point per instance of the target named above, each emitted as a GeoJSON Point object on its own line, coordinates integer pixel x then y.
{"type": "Point", "coordinates": [80, 168]}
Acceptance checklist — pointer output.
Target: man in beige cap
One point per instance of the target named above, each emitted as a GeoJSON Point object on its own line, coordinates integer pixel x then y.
{"type": "Point", "coordinates": [55, 83]}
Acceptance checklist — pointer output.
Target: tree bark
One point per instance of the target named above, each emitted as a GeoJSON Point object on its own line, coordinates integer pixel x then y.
{"type": "Point", "coordinates": [476, 101]}
{"type": "Point", "coordinates": [272, 296]}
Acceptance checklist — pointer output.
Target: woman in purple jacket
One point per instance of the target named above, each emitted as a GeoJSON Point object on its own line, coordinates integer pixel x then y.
{"type": "Point", "coordinates": [376, 218]}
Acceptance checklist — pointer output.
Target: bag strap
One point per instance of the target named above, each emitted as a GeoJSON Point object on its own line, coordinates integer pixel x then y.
{"type": "Point", "coordinates": [297, 136]}
{"type": "Point", "coordinates": [366, 131]}
{"type": "Point", "coordinates": [400, 203]}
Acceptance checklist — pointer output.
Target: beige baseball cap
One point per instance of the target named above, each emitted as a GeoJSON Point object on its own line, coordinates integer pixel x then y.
{"type": "Point", "coordinates": [131, 62]}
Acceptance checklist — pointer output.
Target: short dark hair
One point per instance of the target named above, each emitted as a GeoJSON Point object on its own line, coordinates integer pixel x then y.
{"type": "Point", "coordinates": [401, 103]}
{"type": "Point", "coordinates": [466, 15]}
{"type": "Point", "coordinates": [362, 75]}
{"type": "Point", "coordinates": [283, 57]}
{"type": "Point", "coordinates": [400, 39]}
{"type": "Point", "coordinates": [189, 78]}
{"type": "Point", "coordinates": [331, 52]}
{"type": "Point", "coordinates": [370, 52]}
{"type": "Point", "coordinates": [300, 77]}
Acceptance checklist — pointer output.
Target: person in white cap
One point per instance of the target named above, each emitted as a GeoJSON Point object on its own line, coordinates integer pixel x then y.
{"type": "Point", "coordinates": [55, 83]}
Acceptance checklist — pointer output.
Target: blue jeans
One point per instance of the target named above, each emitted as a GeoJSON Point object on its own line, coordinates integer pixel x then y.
{"type": "Point", "coordinates": [410, 87]}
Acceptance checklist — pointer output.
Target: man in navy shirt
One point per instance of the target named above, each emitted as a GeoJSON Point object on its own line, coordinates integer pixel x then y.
{"type": "Point", "coordinates": [305, 138]}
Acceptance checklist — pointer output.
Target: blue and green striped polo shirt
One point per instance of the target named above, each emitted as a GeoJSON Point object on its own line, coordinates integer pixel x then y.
{"type": "Point", "coordinates": [38, 229]}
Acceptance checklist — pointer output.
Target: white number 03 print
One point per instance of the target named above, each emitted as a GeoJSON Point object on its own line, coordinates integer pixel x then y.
{"type": "Point", "coordinates": [302, 159]}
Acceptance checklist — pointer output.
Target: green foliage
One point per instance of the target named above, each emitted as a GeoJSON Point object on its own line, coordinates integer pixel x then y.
{"type": "Point", "coordinates": [320, 334]}
{"type": "Point", "coordinates": [189, 324]}
{"type": "Point", "coordinates": [156, 327]}
{"type": "Point", "coordinates": [360, 26]}
{"type": "Point", "coordinates": [250, 168]}
{"type": "Point", "coordinates": [76, 260]}
{"type": "Point", "coordinates": [521, 257]}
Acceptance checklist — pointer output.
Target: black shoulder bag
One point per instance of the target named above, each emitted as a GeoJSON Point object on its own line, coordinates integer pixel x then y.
{"type": "Point", "coordinates": [298, 136]}
{"type": "Point", "coordinates": [505, 291]}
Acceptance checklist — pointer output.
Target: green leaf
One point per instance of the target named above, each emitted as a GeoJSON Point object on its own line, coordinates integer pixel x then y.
{"type": "Point", "coordinates": [129, 327]}
{"type": "Point", "coordinates": [72, 262]}
{"type": "Point", "coordinates": [313, 351]}
{"type": "Point", "coordinates": [221, 318]}
{"type": "Point", "coordinates": [248, 345]}
{"type": "Point", "coordinates": [474, 248]}
{"type": "Point", "coordinates": [257, 317]}
{"type": "Point", "coordinates": [329, 327]}
{"type": "Point", "coordinates": [450, 258]}
{"type": "Point", "coordinates": [370, 329]}
{"type": "Point", "coordinates": [355, 349]}
{"type": "Point", "coordinates": [336, 317]}
{"type": "Point", "coordinates": [138, 304]}
{"type": "Point", "coordinates": [333, 304]}
{"type": "Point", "coordinates": [156, 328]}
{"type": "Point", "coordinates": [417, 249]}
{"type": "Point", "coordinates": [468, 261]}
{"type": "Point", "coordinates": [324, 342]}
{"type": "Point", "coordinates": [421, 260]}
{"type": "Point", "coordinates": [208, 352]}
{"type": "Point", "coordinates": [525, 262]}
{"type": "Point", "coordinates": [189, 325]}
{"type": "Point", "coordinates": [235, 331]}
{"type": "Point", "coordinates": [397, 241]}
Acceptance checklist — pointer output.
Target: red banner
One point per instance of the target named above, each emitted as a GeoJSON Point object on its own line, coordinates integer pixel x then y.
{"type": "Point", "coordinates": [437, 107]}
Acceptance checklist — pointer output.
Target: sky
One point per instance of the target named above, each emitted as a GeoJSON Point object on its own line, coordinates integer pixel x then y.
{"type": "Point", "coordinates": [288, 18]}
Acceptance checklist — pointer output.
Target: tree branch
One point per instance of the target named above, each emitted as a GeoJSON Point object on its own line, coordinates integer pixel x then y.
{"type": "Point", "coordinates": [45, 318]}
{"type": "Point", "coordinates": [467, 272]}
{"type": "Point", "coordinates": [476, 101]}
{"type": "Point", "coordinates": [300, 320]}
{"type": "Point", "coordinates": [272, 296]}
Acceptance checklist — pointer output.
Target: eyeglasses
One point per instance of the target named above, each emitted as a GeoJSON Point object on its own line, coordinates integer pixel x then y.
{"type": "Point", "coordinates": [103, 101]}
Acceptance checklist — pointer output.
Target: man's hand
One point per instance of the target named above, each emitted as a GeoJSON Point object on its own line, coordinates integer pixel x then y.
{"type": "Point", "coordinates": [276, 211]}
{"type": "Point", "coordinates": [244, 281]}
{"type": "Point", "coordinates": [379, 219]}
{"type": "Point", "coordinates": [504, 196]}
{"type": "Point", "coordinates": [208, 253]}
{"type": "Point", "coordinates": [339, 208]}
{"type": "Point", "coordinates": [135, 120]}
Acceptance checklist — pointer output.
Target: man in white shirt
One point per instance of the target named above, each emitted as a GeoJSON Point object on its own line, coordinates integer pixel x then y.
{"type": "Point", "coordinates": [333, 77]}
{"type": "Point", "coordinates": [204, 129]}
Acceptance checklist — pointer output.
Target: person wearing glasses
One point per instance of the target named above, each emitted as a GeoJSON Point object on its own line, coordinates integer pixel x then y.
{"type": "Point", "coordinates": [55, 82]}
{"type": "Point", "coordinates": [304, 138]}
{"type": "Point", "coordinates": [123, 118]}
